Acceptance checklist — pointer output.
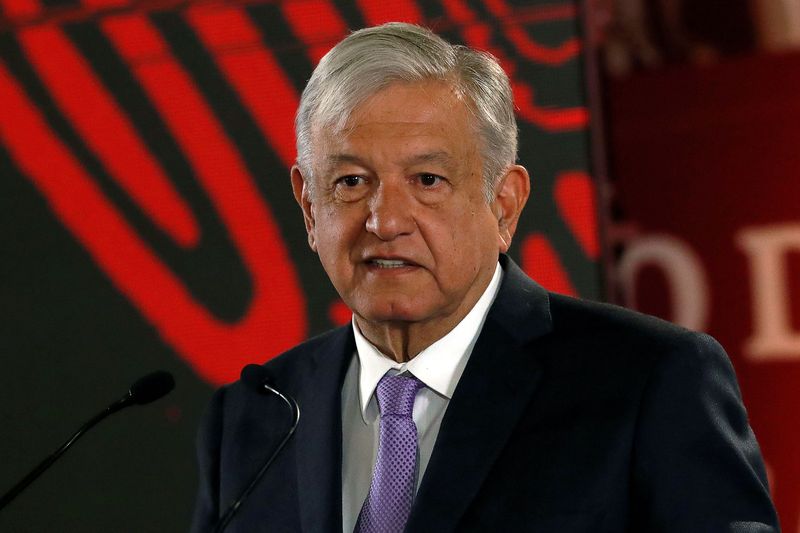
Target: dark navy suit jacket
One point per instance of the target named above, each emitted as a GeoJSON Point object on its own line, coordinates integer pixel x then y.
{"type": "Point", "coordinates": [570, 416]}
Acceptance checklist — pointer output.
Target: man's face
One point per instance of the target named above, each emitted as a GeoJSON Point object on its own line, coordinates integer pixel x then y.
{"type": "Point", "coordinates": [398, 214]}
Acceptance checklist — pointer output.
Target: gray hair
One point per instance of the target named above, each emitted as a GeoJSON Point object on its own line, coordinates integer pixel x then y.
{"type": "Point", "coordinates": [371, 59]}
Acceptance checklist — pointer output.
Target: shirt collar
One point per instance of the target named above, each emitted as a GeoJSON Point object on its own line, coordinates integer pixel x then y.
{"type": "Point", "coordinates": [440, 365]}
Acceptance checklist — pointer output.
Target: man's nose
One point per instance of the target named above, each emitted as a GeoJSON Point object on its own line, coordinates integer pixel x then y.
{"type": "Point", "coordinates": [390, 212]}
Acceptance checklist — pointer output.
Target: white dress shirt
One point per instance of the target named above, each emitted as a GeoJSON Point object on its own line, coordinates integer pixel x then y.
{"type": "Point", "coordinates": [439, 367]}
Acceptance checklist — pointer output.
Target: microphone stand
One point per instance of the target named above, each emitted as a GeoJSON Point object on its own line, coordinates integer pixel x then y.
{"type": "Point", "coordinates": [145, 390]}
{"type": "Point", "coordinates": [229, 514]}
{"type": "Point", "coordinates": [52, 458]}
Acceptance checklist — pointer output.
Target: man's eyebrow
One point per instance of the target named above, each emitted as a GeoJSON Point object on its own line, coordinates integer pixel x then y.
{"type": "Point", "coordinates": [332, 161]}
{"type": "Point", "coordinates": [439, 156]}
{"type": "Point", "coordinates": [335, 159]}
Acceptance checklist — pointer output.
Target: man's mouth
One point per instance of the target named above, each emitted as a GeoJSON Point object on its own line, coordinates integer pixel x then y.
{"type": "Point", "coordinates": [390, 263]}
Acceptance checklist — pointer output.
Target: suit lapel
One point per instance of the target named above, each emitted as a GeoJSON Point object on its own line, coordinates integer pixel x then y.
{"type": "Point", "coordinates": [494, 390]}
{"type": "Point", "coordinates": [319, 436]}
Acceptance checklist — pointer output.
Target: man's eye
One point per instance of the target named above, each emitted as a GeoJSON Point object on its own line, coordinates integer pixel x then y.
{"type": "Point", "coordinates": [429, 180]}
{"type": "Point", "coordinates": [351, 181]}
{"type": "Point", "coordinates": [351, 188]}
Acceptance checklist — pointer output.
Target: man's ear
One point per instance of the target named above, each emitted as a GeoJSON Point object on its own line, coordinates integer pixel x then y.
{"type": "Point", "coordinates": [511, 194]}
{"type": "Point", "coordinates": [303, 197]}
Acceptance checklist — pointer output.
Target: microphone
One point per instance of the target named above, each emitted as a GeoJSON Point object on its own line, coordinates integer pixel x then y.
{"type": "Point", "coordinates": [145, 390]}
{"type": "Point", "coordinates": [257, 378]}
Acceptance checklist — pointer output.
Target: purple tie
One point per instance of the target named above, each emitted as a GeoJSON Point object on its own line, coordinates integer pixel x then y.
{"type": "Point", "coordinates": [391, 493]}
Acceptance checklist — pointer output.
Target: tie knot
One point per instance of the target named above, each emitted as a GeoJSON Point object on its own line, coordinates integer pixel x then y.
{"type": "Point", "coordinates": [396, 394]}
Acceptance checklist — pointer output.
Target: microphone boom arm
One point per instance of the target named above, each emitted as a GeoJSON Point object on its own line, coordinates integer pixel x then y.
{"type": "Point", "coordinates": [52, 458]}
{"type": "Point", "coordinates": [147, 389]}
{"type": "Point", "coordinates": [229, 514]}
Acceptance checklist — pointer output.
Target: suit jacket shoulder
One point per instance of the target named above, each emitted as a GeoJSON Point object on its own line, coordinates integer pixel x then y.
{"type": "Point", "coordinates": [589, 417]}
{"type": "Point", "coordinates": [331, 350]}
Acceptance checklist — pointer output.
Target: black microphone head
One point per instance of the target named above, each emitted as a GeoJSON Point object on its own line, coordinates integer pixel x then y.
{"type": "Point", "coordinates": [255, 377]}
{"type": "Point", "coordinates": [151, 387]}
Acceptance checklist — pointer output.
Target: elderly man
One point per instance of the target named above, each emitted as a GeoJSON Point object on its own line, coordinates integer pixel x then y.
{"type": "Point", "coordinates": [463, 396]}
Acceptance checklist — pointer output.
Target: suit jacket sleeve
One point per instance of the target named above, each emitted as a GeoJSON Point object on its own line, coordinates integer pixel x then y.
{"type": "Point", "coordinates": [206, 512]}
{"type": "Point", "coordinates": [697, 465]}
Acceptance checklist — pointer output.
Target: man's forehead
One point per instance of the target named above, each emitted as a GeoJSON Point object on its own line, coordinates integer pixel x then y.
{"type": "Point", "coordinates": [387, 105]}
{"type": "Point", "coordinates": [409, 102]}
{"type": "Point", "coordinates": [442, 157]}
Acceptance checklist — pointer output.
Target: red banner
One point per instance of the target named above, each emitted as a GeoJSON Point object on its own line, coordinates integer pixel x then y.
{"type": "Point", "coordinates": [707, 174]}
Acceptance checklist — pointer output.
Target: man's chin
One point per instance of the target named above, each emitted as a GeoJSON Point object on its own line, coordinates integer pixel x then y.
{"type": "Point", "coordinates": [389, 312]}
